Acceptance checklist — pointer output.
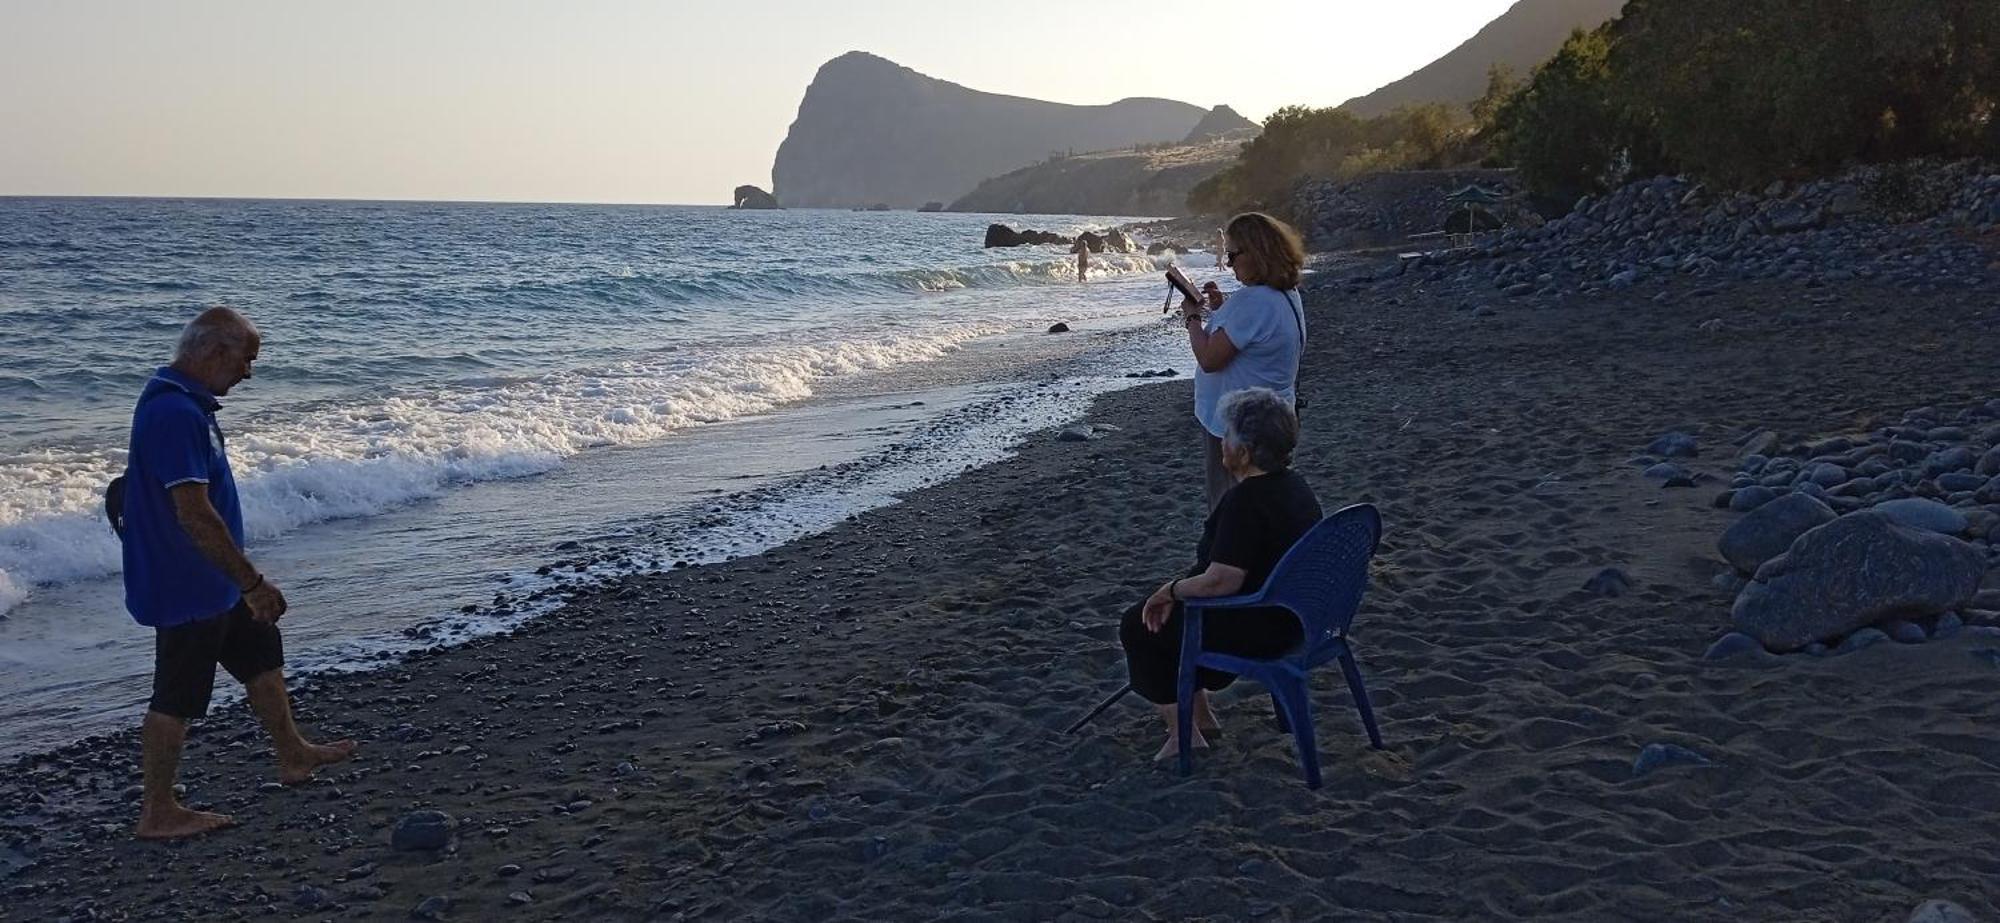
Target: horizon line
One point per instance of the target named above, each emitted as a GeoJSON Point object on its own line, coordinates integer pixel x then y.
{"type": "Point", "coordinates": [382, 201]}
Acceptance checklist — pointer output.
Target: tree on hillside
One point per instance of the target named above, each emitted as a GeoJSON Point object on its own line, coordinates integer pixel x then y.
{"type": "Point", "coordinates": [1566, 128]}
{"type": "Point", "coordinates": [1740, 93]}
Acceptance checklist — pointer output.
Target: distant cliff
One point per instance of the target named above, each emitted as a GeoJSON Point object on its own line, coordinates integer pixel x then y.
{"type": "Point", "coordinates": [1151, 182]}
{"type": "Point", "coordinates": [870, 130]}
{"type": "Point", "coordinates": [1519, 39]}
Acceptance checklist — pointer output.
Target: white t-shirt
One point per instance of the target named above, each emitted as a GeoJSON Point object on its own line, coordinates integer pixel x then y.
{"type": "Point", "coordinates": [1268, 328]}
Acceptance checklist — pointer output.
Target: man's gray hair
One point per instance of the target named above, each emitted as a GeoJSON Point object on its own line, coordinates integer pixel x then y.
{"type": "Point", "coordinates": [215, 332]}
{"type": "Point", "coordinates": [1261, 421]}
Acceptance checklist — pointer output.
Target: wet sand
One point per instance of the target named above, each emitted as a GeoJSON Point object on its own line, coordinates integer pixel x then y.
{"type": "Point", "coordinates": [867, 724]}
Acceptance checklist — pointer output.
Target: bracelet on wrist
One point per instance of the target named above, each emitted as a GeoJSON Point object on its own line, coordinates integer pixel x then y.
{"type": "Point", "coordinates": [254, 584]}
{"type": "Point", "coordinates": [1174, 589]}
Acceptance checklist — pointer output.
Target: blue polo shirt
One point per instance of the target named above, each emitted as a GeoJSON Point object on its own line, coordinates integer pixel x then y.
{"type": "Point", "coordinates": [175, 440]}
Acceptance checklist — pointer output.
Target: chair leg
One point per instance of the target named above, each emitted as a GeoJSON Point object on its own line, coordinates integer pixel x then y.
{"type": "Point", "coordinates": [1184, 688]}
{"type": "Point", "coordinates": [1278, 705]}
{"type": "Point", "coordinates": [1353, 671]}
{"type": "Point", "coordinates": [1297, 704]}
{"type": "Point", "coordinates": [1184, 726]}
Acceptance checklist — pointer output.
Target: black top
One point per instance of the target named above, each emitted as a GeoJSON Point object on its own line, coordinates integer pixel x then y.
{"type": "Point", "coordinates": [1258, 521]}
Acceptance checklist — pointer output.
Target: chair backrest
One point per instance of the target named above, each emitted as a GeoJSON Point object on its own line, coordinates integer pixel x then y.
{"type": "Point", "coordinates": [1324, 574]}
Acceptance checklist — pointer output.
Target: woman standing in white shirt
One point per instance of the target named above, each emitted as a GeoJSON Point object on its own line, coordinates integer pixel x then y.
{"type": "Point", "coordinates": [1252, 339]}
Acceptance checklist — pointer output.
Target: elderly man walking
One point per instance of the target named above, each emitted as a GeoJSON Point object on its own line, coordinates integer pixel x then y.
{"type": "Point", "coordinates": [186, 575]}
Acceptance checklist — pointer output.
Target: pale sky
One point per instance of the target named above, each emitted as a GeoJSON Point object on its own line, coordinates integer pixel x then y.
{"type": "Point", "coordinates": [603, 100]}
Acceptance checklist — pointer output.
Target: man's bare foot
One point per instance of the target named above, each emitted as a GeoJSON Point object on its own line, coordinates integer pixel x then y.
{"type": "Point", "coordinates": [177, 823]}
{"type": "Point", "coordinates": [1172, 747]}
{"type": "Point", "coordinates": [295, 770]}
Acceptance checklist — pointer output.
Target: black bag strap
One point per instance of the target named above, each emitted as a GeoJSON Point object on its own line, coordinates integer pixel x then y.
{"type": "Point", "coordinates": [114, 492]}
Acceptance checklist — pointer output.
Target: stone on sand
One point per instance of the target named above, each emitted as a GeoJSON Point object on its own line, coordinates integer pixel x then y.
{"type": "Point", "coordinates": [1660, 756]}
{"type": "Point", "coordinates": [1853, 572]}
{"type": "Point", "coordinates": [1674, 445]}
{"type": "Point", "coordinates": [1734, 645]}
{"type": "Point", "coordinates": [1924, 514]}
{"type": "Point", "coordinates": [422, 831]}
{"type": "Point", "coordinates": [1610, 582]}
{"type": "Point", "coordinates": [1749, 498]}
{"type": "Point", "coordinates": [1941, 911]}
{"type": "Point", "coordinates": [1770, 529]}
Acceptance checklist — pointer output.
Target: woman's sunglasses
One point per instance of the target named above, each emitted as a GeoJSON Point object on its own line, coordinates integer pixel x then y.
{"type": "Point", "coordinates": [1229, 257]}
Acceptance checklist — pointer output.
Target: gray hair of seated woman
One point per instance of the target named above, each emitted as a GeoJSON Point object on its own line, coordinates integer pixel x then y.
{"type": "Point", "coordinates": [1259, 420]}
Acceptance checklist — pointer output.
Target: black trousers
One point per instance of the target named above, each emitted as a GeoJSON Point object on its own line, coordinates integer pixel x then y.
{"type": "Point", "coordinates": [1154, 658]}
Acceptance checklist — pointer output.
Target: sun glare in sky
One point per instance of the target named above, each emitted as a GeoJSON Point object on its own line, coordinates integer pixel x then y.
{"type": "Point", "coordinates": [613, 101]}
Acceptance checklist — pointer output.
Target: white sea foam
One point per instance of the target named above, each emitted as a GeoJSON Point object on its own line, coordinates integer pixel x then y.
{"type": "Point", "coordinates": [355, 460]}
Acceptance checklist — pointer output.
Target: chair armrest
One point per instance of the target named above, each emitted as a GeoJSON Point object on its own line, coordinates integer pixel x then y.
{"type": "Point", "coordinates": [1240, 601]}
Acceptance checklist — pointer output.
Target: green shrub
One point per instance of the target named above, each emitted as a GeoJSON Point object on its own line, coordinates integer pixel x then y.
{"type": "Point", "coordinates": [1303, 143]}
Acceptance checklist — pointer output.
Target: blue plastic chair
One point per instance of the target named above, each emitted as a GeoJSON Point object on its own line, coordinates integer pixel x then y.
{"type": "Point", "coordinates": [1320, 580]}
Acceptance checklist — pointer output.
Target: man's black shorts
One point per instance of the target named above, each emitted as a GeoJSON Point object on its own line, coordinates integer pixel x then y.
{"type": "Point", "coordinates": [184, 659]}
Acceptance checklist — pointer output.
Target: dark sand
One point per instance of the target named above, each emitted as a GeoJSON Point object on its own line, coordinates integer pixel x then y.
{"type": "Point", "coordinates": [867, 724]}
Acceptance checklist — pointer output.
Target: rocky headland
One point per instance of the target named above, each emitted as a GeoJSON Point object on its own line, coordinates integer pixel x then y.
{"type": "Point", "coordinates": [872, 131]}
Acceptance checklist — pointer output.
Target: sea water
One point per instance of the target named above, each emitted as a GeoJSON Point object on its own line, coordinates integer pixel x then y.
{"type": "Point", "coordinates": [453, 397]}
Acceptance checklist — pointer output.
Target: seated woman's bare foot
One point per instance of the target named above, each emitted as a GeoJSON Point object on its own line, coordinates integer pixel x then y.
{"type": "Point", "coordinates": [177, 822]}
{"type": "Point", "coordinates": [1172, 747]}
{"type": "Point", "coordinates": [1204, 718]}
{"type": "Point", "coordinates": [294, 770]}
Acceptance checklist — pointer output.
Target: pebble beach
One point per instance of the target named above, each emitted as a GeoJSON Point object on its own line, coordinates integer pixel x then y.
{"type": "Point", "coordinates": [868, 723]}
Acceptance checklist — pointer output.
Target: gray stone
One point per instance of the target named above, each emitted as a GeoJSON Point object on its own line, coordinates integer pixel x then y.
{"type": "Point", "coordinates": [1770, 529]}
{"type": "Point", "coordinates": [422, 831]}
{"type": "Point", "coordinates": [1941, 911]}
{"type": "Point", "coordinates": [1789, 218]}
{"type": "Point", "coordinates": [1906, 632]}
{"type": "Point", "coordinates": [1610, 582]}
{"type": "Point", "coordinates": [1760, 443]}
{"type": "Point", "coordinates": [1956, 458]}
{"type": "Point", "coordinates": [1948, 624]}
{"type": "Point", "coordinates": [1665, 471]}
{"type": "Point", "coordinates": [1750, 498]}
{"type": "Point", "coordinates": [1920, 513]}
{"type": "Point", "coordinates": [1988, 464]}
{"type": "Point", "coordinates": [1058, 327]}
{"type": "Point", "coordinates": [1956, 481]}
{"type": "Point", "coordinates": [1859, 569]}
{"type": "Point", "coordinates": [1076, 434]}
{"type": "Point", "coordinates": [1732, 645]}
{"type": "Point", "coordinates": [1660, 756]}
{"type": "Point", "coordinates": [1866, 637]}
{"type": "Point", "coordinates": [1827, 474]}
{"type": "Point", "coordinates": [431, 908]}
{"type": "Point", "coordinates": [1674, 445]}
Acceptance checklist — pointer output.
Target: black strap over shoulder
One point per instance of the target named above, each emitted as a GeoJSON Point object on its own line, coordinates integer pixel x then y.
{"type": "Point", "coordinates": [114, 492]}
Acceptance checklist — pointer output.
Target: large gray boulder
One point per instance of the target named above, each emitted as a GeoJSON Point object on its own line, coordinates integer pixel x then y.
{"type": "Point", "coordinates": [1923, 513]}
{"type": "Point", "coordinates": [1859, 569]}
{"type": "Point", "coordinates": [1770, 529]}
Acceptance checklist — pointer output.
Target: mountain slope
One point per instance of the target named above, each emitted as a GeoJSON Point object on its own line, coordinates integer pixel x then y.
{"type": "Point", "coordinates": [1154, 181]}
{"type": "Point", "coordinates": [872, 131]}
{"type": "Point", "coordinates": [1521, 38]}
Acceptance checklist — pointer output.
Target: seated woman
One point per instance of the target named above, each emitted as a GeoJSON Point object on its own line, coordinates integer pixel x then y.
{"type": "Point", "coordinates": [1253, 525]}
